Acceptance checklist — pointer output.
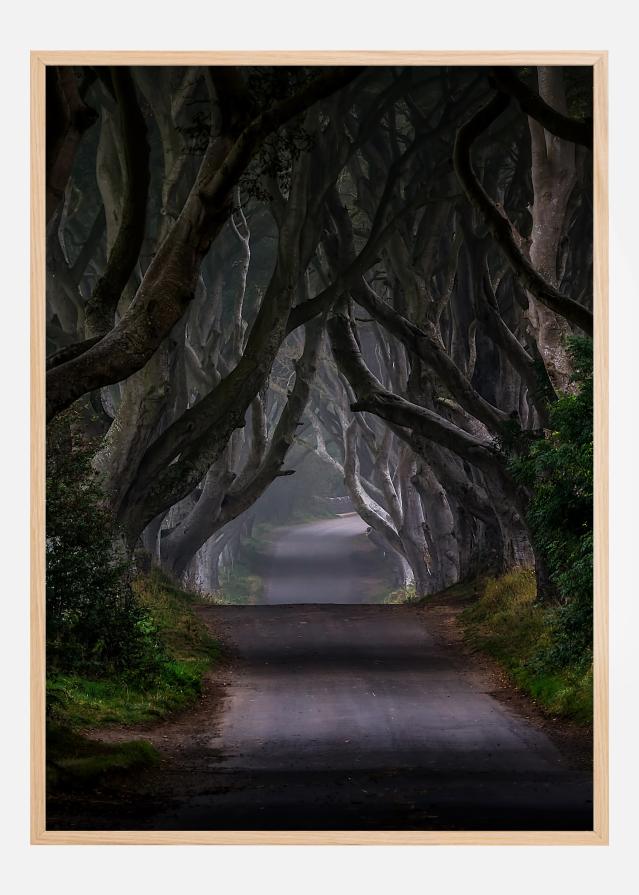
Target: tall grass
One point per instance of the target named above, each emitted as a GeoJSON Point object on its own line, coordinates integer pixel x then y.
{"type": "Point", "coordinates": [510, 625]}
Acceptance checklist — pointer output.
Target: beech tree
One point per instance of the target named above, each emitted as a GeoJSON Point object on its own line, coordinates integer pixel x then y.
{"type": "Point", "coordinates": [382, 265]}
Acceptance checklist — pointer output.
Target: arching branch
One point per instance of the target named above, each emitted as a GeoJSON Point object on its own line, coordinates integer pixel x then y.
{"type": "Point", "coordinates": [533, 105]}
{"type": "Point", "coordinates": [374, 398]}
{"type": "Point", "coordinates": [501, 228]}
{"type": "Point", "coordinates": [169, 284]}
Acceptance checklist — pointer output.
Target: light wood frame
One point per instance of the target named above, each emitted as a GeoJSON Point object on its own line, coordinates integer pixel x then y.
{"type": "Point", "coordinates": [39, 835]}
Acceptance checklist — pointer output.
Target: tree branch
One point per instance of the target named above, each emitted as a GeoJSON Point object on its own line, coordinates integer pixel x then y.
{"type": "Point", "coordinates": [499, 224]}
{"type": "Point", "coordinates": [533, 105]}
{"type": "Point", "coordinates": [372, 397]}
{"type": "Point", "coordinates": [68, 117]}
{"type": "Point", "coordinates": [100, 309]}
{"type": "Point", "coordinates": [169, 284]}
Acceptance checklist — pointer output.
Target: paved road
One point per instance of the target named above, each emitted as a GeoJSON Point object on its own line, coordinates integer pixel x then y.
{"type": "Point", "coordinates": [354, 717]}
{"type": "Point", "coordinates": [342, 717]}
{"type": "Point", "coordinates": [330, 561]}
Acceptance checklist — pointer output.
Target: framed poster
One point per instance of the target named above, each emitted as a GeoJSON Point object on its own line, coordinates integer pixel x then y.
{"type": "Point", "coordinates": [316, 343]}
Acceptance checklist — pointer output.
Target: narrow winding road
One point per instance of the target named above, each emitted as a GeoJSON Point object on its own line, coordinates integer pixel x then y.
{"type": "Point", "coordinates": [346, 717]}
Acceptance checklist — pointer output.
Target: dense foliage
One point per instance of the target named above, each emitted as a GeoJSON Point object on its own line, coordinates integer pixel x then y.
{"type": "Point", "coordinates": [558, 470]}
{"type": "Point", "coordinates": [512, 626]}
{"type": "Point", "coordinates": [95, 624]}
{"type": "Point", "coordinates": [80, 699]}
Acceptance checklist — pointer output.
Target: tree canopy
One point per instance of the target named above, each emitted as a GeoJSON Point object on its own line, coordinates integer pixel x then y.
{"type": "Point", "coordinates": [386, 267]}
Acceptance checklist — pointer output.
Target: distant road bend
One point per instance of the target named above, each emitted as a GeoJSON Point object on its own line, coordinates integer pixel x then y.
{"type": "Point", "coordinates": [328, 561]}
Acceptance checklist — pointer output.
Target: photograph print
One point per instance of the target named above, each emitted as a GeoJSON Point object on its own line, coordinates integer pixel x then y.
{"type": "Point", "coordinates": [319, 447]}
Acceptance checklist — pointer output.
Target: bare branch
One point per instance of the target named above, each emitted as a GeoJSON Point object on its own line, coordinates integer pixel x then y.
{"type": "Point", "coordinates": [500, 226]}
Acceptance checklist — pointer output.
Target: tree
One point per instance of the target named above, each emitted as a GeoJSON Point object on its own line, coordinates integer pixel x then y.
{"type": "Point", "coordinates": [367, 262]}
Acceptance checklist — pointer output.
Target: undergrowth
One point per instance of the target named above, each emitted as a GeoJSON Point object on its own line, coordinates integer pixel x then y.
{"type": "Point", "coordinates": [187, 650]}
{"type": "Point", "coordinates": [240, 585]}
{"type": "Point", "coordinates": [76, 702]}
{"type": "Point", "coordinates": [402, 595]}
{"type": "Point", "coordinates": [510, 625]}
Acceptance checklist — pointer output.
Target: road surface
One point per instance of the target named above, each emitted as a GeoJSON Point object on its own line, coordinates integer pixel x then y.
{"type": "Point", "coordinates": [354, 717]}
{"type": "Point", "coordinates": [349, 717]}
{"type": "Point", "coordinates": [329, 561]}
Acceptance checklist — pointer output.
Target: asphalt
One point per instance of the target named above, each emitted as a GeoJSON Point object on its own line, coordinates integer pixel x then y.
{"type": "Point", "coordinates": [354, 717]}
{"type": "Point", "coordinates": [343, 716]}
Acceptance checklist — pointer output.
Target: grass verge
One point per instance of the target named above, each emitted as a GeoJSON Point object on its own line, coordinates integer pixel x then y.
{"type": "Point", "coordinates": [507, 623]}
{"type": "Point", "coordinates": [75, 761]}
{"type": "Point", "coordinates": [401, 595]}
{"type": "Point", "coordinates": [76, 703]}
{"type": "Point", "coordinates": [240, 586]}
{"type": "Point", "coordinates": [188, 650]}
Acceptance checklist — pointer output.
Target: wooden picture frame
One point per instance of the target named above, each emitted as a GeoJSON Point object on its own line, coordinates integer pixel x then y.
{"type": "Point", "coordinates": [599, 834]}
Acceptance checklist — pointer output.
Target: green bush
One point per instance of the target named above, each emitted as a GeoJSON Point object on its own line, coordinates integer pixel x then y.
{"type": "Point", "coordinates": [95, 625]}
{"type": "Point", "coordinates": [558, 472]}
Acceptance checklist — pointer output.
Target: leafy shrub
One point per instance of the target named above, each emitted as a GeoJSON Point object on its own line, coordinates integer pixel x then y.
{"type": "Point", "coordinates": [95, 624]}
{"type": "Point", "coordinates": [81, 700]}
{"type": "Point", "coordinates": [558, 471]}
